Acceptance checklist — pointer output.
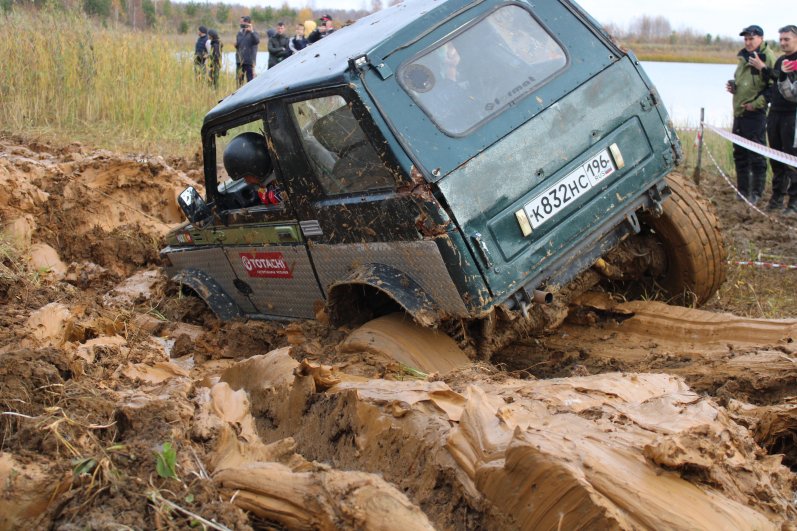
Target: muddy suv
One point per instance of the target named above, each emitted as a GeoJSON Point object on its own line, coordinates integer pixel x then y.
{"type": "Point", "coordinates": [462, 162]}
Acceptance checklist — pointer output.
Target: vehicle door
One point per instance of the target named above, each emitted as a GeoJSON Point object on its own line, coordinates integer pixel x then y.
{"type": "Point", "coordinates": [262, 242]}
{"type": "Point", "coordinates": [349, 199]}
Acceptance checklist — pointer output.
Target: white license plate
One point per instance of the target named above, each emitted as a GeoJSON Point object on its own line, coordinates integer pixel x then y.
{"type": "Point", "coordinates": [569, 188]}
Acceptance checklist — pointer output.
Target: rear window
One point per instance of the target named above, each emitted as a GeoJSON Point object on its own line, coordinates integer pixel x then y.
{"type": "Point", "coordinates": [477, 74]}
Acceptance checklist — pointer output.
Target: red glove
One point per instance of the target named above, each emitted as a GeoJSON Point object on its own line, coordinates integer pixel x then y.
{"type": "Point", "coordinates": [270, 195]}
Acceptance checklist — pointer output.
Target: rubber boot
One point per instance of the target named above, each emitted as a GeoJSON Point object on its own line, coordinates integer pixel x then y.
{"type": "Point", "coordinates": [791, 208]}
{"type": "Point", "coordinates": [775, 202]}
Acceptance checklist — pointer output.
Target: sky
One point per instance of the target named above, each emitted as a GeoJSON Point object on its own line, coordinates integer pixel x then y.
{"type": "Point", "coordinates": [717, 17]}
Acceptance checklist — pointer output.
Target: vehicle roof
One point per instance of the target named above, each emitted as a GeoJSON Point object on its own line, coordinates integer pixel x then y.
{"type": "Point", "coordinates": [325, 62]}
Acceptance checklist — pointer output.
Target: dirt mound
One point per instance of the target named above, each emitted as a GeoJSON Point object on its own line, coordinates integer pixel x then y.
{"type": "Point", "coordinates": [87, 206]}
{"type": "Point", "coordinates": [537, 454]}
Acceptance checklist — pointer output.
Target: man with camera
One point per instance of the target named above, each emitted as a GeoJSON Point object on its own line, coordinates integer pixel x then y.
{"type": "Point", "coordinates": [279, 46]}
{"type": "Point", "coordinates": [781, 122]}
{"type": "Point", "coordinates": [325, 29]}
{"type": "Point", "coordinates": [246, 42]}
{"type": "Point", "coordinates": [749, 88]}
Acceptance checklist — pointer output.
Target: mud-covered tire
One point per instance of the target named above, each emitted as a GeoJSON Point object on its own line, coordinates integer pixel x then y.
{"type": "Point", "coordinates": [690, 235]}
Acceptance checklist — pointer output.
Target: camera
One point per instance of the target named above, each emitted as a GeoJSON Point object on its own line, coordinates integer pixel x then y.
{"type": "Point", "coordinates": [244, 26]}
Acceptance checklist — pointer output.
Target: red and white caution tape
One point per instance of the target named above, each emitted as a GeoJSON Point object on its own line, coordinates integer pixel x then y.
{"type": "Point", "coordinates": [755, 147]}
{"type": "Point", "coordinates": [765, 265]}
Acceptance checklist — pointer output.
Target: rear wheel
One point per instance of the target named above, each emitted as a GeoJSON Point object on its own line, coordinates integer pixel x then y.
{"type": "Point", "coordinates": [690, 234]}
{"type": "Point", "coordinates": [679, 254]}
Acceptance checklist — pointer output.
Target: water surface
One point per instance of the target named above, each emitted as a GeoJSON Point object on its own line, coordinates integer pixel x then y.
{"type": "Point", "coordinates": [686, 87]}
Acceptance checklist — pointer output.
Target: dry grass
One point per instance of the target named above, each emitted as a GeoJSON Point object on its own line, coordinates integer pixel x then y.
{"type": "Point", "coordinates": [108, 87]}
{"type": "Point", "coordinates": [758, 293]}
{"type": "Point", "coordinates": [683, 53]}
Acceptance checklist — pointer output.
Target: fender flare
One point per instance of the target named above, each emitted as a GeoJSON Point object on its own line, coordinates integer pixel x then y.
{"type": "Point", "coordinates": [209, 291]}
{"type": "Point", "coordinates": [395, 284]}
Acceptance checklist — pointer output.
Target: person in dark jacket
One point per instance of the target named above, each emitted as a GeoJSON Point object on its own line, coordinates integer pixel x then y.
{"type": "Point", "coordinates": [214, 46]}
{"type": "Point", "coordinates": [749, 88]}
{"type": "Point", "coordinates": [239, 73]}
{"type": "Point", "coordinates": [781, 122]}
{"type": "Point", "coordinates": [324, 29]}
{"type": "Point", "coordinates": [246, 46]}
{"type": "Point", "coordinates": [278, 46]}
{"type": "Point", "coordinates": [200, 51]}
{"type": "Point", "coordinates": [298, 42]}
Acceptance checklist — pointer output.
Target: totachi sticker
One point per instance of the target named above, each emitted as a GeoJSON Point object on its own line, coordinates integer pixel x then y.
{"type": "Point", "coordinates": [266, 265]}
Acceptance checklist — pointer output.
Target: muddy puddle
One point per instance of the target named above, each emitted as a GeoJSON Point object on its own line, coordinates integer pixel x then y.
{"type": "Point", "coordinates": [124, 404]}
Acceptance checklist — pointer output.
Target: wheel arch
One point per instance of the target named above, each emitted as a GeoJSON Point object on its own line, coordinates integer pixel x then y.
{"type": "Point", "coordinates": [209, 291]}
{"type": "Point", "coordinates": [373, 290]}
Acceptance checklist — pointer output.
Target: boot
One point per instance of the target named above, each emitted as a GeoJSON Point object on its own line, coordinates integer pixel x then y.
{"type": "Point", "coordinates": [775, 202]}
{"type": "Point", "coordinates": [791, 208]}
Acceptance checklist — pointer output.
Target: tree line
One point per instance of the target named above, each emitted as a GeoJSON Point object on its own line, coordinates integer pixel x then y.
{"type": "Point", "coordinates": [185, 17]}
{"type": "Point", "coordinates": [659, 30]}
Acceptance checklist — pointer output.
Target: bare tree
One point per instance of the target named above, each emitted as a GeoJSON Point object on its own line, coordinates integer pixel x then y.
{"type": "Point", "coordinates": [647, 28]}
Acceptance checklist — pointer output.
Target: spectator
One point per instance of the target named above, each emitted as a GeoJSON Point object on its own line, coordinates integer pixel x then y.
{"type": "Point", "coordinates": [200, 52]}
{"type": "Point", "coordinates": [214, 47]}
{"type": "Point", "coordinates": [749, 89]}
{"type": "Point", "coordinates": [239, 74]}
{"type": "Point", "coordinates": [278, 46]}
{"type": "Point", "coordinates": [781, 121]}
{"type": "Point", "coordinates": [246, 44]}
{"type": "Point", "coordinates": [298, 42]}
{"type": "Point", "coordinates": [324, 29]}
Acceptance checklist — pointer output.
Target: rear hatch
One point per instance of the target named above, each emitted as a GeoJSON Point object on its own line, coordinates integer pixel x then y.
{"type": "Point", "coordinates": [535, 129]}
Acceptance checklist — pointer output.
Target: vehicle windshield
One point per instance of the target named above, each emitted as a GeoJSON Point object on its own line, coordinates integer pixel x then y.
{"type": "Point", "coordinates": [483, 70]}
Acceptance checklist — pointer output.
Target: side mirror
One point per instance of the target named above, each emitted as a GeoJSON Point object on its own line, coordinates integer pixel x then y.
{"type": "Point", "coordinates": [192, 205]}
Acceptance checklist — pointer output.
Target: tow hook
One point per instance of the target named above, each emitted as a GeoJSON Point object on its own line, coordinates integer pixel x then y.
{"type": "Point", "coordinates": [633, 221]}
{"type": "Point", "coordinates": [656, 198]}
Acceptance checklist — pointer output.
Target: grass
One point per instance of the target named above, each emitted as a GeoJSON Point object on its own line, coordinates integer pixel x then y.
{"type": "Point", "coordinates": [721, 149]}
{"type": "Point", "coordinates": [748, 291]}
{"type": "Point", "coordinates": [107, 87]}
{"type": "Point", "coordinates": [683, 53]}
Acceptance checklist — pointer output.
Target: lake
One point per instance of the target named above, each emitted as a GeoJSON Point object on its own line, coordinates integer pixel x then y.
{"type": "Point", "coordinates": [684, 88]}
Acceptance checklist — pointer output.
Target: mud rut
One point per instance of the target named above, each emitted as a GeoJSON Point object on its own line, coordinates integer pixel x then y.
{"type": "Point", "coordinates": [629, 415]}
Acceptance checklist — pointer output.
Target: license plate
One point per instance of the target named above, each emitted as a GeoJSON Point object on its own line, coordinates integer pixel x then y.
{"type": "Point", "coordinates": [569, 188]}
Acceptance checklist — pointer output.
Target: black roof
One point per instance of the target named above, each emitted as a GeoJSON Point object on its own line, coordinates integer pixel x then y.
{"type": "Point", "coordinates": [325, 62]}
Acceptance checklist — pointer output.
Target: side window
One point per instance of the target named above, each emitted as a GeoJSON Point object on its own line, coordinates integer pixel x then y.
{"type": "Point", "coordinates": [477, 74]}
{"type": "Point", "coordinates": [244, 170]}
{"type": "Point", "coordinates": [340, 154]}
{"type": "Point", "coordinates": [224, 139]}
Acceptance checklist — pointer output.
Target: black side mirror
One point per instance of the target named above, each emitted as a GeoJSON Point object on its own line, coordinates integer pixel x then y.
{"type": "Point", "coordinates": [192, 205]}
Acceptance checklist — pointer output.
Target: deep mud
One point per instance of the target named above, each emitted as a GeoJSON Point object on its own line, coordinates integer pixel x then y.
{"type": "Point", "coordinates": [630, 415]}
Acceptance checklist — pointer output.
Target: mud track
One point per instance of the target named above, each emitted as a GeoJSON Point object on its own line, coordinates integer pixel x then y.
{"type": "Point", "coordinates": [630, 415]}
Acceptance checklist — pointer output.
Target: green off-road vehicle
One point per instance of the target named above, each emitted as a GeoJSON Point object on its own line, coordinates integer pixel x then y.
{"type": "Point", "coordinates": [462, 162]}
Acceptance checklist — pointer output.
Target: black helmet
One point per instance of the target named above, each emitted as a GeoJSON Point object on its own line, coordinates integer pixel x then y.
{"type": "Point", "coordinates": [247, 155]}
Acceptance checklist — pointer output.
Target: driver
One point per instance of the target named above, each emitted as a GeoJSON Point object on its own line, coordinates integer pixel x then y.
{"type": "Point", "coordinates": [246, 157]}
